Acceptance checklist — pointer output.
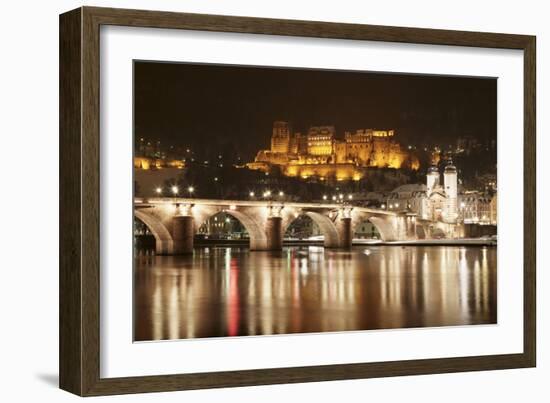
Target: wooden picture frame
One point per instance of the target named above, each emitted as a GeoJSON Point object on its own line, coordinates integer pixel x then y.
{"type": "Point", "coordinates": [79, 201]}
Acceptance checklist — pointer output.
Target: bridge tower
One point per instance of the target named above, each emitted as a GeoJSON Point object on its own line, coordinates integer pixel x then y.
{"type": "Point", "coordinates": [450, 213]}
{"type": "Point", "coordinates": [432, 180]}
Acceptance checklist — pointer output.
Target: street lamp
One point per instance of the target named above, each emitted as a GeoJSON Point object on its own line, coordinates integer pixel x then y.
{"type": "Point", "coordinates": [190, 189]}
{"type": "Point", "coordinates": [281, 193]}
{"type": "Point", "coordinates": [175, 191]}
{"type": "Point", "coordinates": [350, 197]}
{"type": "Point", "coordinates": [158, 190]}
{"type": "Point", "coordinates": [251, 194]}
{"type": "Point", "coordinates": [267, 193]}
{"type": "Point", "coordinates": [324, 197]}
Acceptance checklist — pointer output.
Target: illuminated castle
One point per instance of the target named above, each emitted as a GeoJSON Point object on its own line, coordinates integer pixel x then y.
{"type": "Point", "coordinates": [319, 154]}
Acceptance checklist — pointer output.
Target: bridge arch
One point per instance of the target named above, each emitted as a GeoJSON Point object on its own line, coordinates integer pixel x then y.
{"type": "Point", "coordinates": [383, 225]}
{"type": "Point", "coordinates": [257, 234]}
{"type": "Point", "coordinates": [164, 243]}
{"type": "Point", "coordinates": [361, 229]}
{"type": "Point", "coordinates": [325, 224]}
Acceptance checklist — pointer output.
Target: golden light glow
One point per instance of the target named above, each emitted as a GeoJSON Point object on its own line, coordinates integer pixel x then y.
{"type": "Point", "coordinates": [320, 155]}
{"type": "Point", "coordinates": [157, 163]}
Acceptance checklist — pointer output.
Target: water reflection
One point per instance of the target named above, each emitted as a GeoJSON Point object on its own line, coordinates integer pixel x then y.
{"type": "Point", "coordinates": [235, 292]}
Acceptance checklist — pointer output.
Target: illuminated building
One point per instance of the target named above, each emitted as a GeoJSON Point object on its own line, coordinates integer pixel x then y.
{"type": "Point", "coordinates": [442, 202]}
{"type": "Point", "coordinates": [477, 208]}
{"type": "Point", "coordinates": [146, 163]}
{"type": "Point", "coordinates": [319, 154]}
{"type": "Point", "coordinates": [433, 201]}
{"type": "Point", "coordinates": [411, 197]}
{"type": "Point", "coordinates": [493, 208]}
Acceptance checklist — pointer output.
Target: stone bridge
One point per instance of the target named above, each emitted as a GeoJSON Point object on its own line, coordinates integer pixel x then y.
{"type": "Point", "coordinates": [174, 222]}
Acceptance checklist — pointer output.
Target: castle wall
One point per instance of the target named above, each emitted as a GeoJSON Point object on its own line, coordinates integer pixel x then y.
{"type": "Point", "coordinates": [340, 172]}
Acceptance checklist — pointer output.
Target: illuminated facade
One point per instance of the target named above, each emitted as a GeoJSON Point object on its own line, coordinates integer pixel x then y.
{"type": "Point", "coordinates": [433, 201]}
{"type": "Point", "coordinates": [320, 141]}
{"type": "Point", "coordinates": [493, 209]}
{"type": "Point", "coordinates": [441, 202]}
{"type": "Point", "coordinates": [478, 208]}
{"type": "Point", "coordinates": [146, 163]}
{"type": "Point", "coordinates": [321, 155]}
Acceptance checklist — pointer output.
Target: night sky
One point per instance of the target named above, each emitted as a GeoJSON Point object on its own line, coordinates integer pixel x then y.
{"type": "Point", "coordinates": [200, 105]}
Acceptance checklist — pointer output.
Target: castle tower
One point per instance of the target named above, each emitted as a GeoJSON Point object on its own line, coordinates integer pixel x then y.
{"type": "Point", "coordinates": [450, 213]}
{"type": "Point", "coordinates": [432, 179]}
{"type": "Point", "coordinates": [280, 139]}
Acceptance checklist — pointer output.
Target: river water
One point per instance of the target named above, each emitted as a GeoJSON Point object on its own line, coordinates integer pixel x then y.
{"type": "Point", "coordinates": [231, 291]}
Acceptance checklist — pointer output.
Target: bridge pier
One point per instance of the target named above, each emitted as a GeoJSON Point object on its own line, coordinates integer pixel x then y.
{"type": "Point", "coordinates": [345, 232]}
{"type": "Point", "coordinates": [183, 233]}
{"type": "Point", "coordinates": [274, 233]}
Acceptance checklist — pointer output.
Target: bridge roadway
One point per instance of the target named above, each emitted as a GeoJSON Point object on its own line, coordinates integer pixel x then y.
{"type": "Point", "coordinates": [174, 221]}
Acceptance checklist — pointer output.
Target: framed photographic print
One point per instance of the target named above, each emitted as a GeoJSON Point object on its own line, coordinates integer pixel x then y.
{"type": "Point", "coordinates": [249, 201]}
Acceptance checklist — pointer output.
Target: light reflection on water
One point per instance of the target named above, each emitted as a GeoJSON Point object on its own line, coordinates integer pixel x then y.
{"type": "Point", "coordinates": [235, 292]}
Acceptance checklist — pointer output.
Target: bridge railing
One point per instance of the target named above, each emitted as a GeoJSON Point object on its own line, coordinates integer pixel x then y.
{"type": "Point", "coordinates": [258, 203]}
